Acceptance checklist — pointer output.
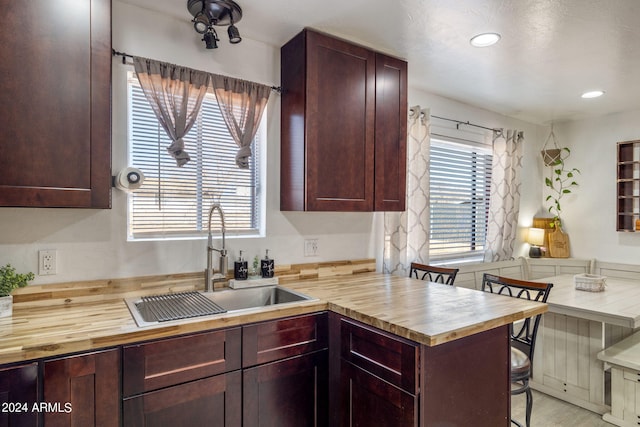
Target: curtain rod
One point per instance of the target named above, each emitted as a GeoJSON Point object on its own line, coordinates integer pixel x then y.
{"type": "Point", "coordinates": [126, 55]}
{"type": "Point", "coordinates": [467, 123]}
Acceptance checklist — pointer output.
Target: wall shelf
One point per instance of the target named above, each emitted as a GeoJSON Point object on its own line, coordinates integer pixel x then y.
{"type": "Point", "coordinates": [628, 183]}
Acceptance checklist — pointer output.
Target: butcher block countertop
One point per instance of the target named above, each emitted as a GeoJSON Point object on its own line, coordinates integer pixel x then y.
{"type": "Point", "coordinates": [50, 320]}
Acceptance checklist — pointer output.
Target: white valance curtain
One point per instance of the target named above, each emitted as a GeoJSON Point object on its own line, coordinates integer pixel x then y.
{"type": "Point", "coordinates": [175, 94]}
{"type": "Point", "coordinates": [504, 206]}
{"type": "Point", "coordinates": [407, 233]}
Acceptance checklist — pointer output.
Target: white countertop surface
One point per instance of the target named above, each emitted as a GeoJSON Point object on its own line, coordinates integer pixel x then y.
{"type": "Point", "coordinates": [625, 353]}
{"type": "Point", "coordinates": [618, 304]}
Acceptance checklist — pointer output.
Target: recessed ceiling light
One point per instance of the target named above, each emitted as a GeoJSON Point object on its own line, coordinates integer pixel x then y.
{"type": "Point", "coordinates": [592, 94]}
{"type": "Point", "coordinates": [485, 39]}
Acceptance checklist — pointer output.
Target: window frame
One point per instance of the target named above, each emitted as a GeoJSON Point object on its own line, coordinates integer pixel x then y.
{"type": "Point", "coordinates": [482, 189]}
{"type": "Point", "coordinates": [202, 208]}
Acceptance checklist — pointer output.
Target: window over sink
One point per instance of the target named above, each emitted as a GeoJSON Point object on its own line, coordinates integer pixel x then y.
{"type": "Point", "coordinates": [460, 186]}
{"type": "Point", "coordinates": [174, 201]}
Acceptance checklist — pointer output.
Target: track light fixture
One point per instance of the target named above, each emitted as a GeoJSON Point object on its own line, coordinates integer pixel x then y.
{"type": "Point", "coordinates": [210, 13]}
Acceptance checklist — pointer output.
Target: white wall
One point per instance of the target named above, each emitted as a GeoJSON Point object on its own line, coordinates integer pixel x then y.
{"type": "Point", "coordinates": [92, 244]}
{"type": "Point", "coordinates": [589, 214]}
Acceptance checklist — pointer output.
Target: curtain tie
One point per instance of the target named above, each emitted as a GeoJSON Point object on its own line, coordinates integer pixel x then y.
{"type": "Point", "coordinates": [176, 149]}
{"type": "Point", "coordinates": [242, 157]}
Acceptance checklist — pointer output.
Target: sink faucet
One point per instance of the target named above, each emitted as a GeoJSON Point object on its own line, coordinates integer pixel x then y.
{"type": "Point", "coordinates": [209, 277]}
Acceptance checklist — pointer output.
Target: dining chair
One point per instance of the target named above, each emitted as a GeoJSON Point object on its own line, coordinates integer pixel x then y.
{"type": "Point", "coordinates": [433, 274]}
{"type": "Point", "coordinates": [523, 335]}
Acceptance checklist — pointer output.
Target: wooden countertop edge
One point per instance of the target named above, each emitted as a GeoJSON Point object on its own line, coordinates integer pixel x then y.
{"type": "Point", "coordinates": [436, 339]}
{"type": "Point", "coordinates": [131, 333]}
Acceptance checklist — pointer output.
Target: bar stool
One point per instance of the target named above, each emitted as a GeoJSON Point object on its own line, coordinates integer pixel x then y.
{"type": "Point", "coordinates": [523, 335]}
{"type": "Point", "coordinates": [433, 274]}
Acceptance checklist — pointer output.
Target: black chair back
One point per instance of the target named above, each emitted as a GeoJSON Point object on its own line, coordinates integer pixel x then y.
{"type": "Point", "coordinates": [523, 335]}
{"type": "Point", "coordinates": [433, 274]}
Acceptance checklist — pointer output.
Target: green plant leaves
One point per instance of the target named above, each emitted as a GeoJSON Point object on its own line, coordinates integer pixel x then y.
{"type": "Point", "coordinates": [10, 280]}
{"type": "Point", "coordinates": [560, 183]}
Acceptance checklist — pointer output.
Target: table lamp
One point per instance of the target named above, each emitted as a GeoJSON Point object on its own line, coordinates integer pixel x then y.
{"type": "Point", "coordinates": [536, 239]}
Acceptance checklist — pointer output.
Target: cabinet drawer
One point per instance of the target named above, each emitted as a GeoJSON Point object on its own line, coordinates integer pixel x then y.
{"type": "Point", "coordinates": [387, 356]}
{"type": "Point", "coordinates": [273, 340]}
{"type": "Point", "coordinates": [212, 402]}
{"type": "Point", "coordinates": [630, 374]}
{"type": "Point", "coordinates": [167, 362]}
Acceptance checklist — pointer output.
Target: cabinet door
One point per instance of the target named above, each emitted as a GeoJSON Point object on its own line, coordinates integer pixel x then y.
{"type": "Point", "coordinates": [391, 134]}
{"type": "Point", "coordinates": [213, 402]}
{"type": "Point", "coordinates": [340, 119]}
{"type": "Point", "coordinates": [84, 389]}
{"type": "Point", "coordinates": [55, 146]}
{"type": "Point", "coordinates": [631, 400]}
{"type": "Point", "coordinates": [288, 393]}
{"type": "Point", "coordinates": [367, 400]}
{"type": "Point", "coordinates": [568, 367]}
{"type": "Point", "coordinates": [18, 393]}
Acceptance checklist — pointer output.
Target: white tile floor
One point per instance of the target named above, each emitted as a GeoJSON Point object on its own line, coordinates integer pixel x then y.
{"type": "Point", "coordinates": [551, 412]}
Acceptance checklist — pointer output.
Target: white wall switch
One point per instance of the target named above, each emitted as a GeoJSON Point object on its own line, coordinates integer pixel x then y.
{"type": "Point", "coordinates": [311, 247]}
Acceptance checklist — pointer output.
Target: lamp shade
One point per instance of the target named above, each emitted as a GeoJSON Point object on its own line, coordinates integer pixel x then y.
{"type": "Point", "coordinates": [536, 236]}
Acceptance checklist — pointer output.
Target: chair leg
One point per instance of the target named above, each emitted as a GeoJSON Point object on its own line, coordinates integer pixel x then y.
{"type": "Point", "coordinates": [529, 405]}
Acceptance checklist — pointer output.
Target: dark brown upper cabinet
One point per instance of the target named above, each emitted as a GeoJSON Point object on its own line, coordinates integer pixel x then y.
{"type": "Point", "coordinates": [55, 104]}
{"type": "Point", "coordinates": [343, 129]}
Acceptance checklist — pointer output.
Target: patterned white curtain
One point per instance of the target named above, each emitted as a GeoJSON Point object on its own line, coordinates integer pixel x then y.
{"type": "Point", "coordinates": [406, 233]}
{"type": "Point", "coordinates": [505, 194]}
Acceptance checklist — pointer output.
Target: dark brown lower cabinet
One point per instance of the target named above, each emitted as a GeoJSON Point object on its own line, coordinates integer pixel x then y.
{"type": "Point", "coordinates": [367, 400]}
{"type": "Point", "coordinates": [18, 394]}
{"type": "Point", "coordinates": [380, 379]}
{"type": "Point", "coordinates": [287, 393]}
{"type": "Point", "coordinates": [213, 402]}
{"type": "Point", "coordinates": [83, 390]}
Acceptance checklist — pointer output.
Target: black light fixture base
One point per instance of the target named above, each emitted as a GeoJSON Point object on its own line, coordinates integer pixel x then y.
{"type": "Point", "coordinates": [219, 12]}
{"type": "Point", "coordinates": [535, 252]}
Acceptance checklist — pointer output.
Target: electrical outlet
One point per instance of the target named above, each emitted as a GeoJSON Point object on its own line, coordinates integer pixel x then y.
{"type": "Point", "coordinates": [311, 247]}
{"type": "Point", "coordinates": [47, 262]}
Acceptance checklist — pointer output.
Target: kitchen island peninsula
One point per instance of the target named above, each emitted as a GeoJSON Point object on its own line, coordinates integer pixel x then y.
{"type": "Point", "coordinates": [375, 347]}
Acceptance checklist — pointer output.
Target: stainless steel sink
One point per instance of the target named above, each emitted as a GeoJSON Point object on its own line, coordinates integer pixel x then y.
{"type": "Point", "coordinates": [239, 299]}
{"type": "Point", "coordinates": [171, 307]}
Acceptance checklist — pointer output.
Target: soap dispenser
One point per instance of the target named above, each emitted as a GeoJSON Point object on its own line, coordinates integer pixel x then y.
{"type": "Point", "coordinates": [240, 269]}
{"type": "Point", "coordinates": [266, 266]}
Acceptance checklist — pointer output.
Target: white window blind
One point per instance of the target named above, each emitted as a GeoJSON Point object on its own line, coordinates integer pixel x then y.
{"type": "Point", "coordinates": [174, 201]}
{"type": "Point", "coordinates": [460, 185]}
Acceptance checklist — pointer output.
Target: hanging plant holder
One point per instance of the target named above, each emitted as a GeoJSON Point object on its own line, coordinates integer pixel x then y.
{"type": "Point", "coordinates": [551, 156]}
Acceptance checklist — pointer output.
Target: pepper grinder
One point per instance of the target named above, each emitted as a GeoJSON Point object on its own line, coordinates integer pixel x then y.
{"type": "Point", "coordinates": [266, 266]}
{"type": "Point", "coordinates": [240, 268]}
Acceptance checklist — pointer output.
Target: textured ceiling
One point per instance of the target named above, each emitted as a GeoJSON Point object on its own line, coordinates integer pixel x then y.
{"type": "Point", "coordinates": [550, 52]}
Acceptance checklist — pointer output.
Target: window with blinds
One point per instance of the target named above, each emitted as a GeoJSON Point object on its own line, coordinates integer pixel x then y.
{"type": "Point", "coordinates": [174, 201]}
{"type": "Point", "coordinates": [460, 185]}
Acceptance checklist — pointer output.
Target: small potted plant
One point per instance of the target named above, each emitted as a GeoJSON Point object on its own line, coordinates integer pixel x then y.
{"type": "Point", "coordinates": [10, 280]}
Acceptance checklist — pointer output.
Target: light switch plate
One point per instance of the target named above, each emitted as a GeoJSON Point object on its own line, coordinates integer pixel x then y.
{"type": "Point", "coordinates": [311, 247]}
